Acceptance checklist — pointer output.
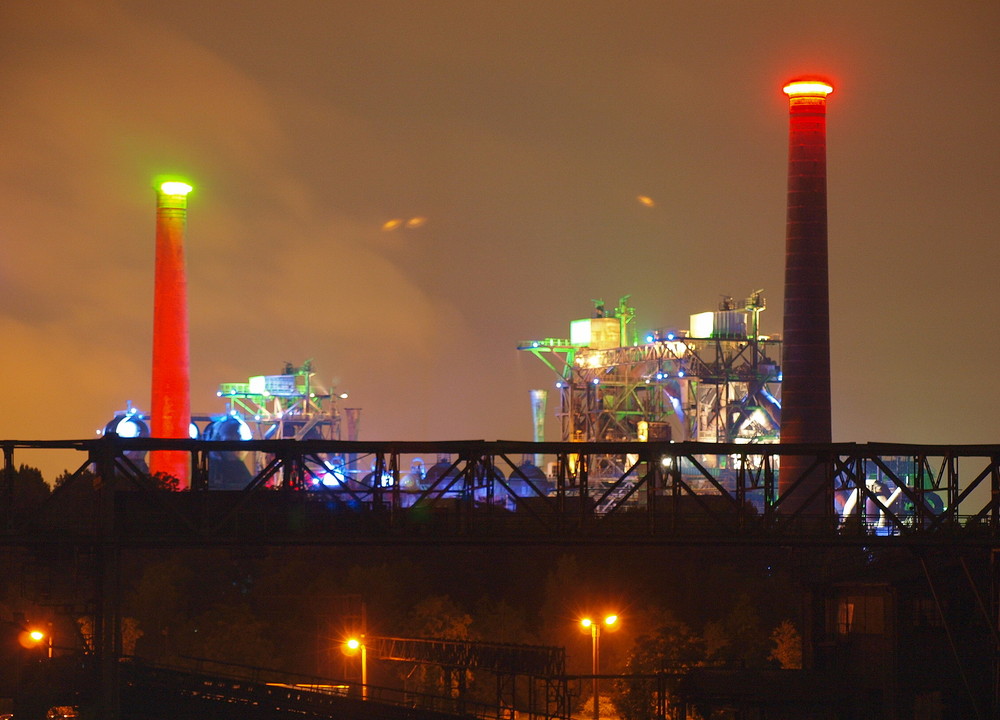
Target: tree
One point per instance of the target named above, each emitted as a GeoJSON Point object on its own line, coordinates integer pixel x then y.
{"type": "Point", "coordinates": [439, 617]}
{"type": "Point", "coordinates": [84, 475]}
{"type": "Point", "coordinates": [498, 621]}
{"type": "Point", "coordinates": [30, 489]}
{"type": "Point", "coordinates": [388, 590]}
{"type": "Point", "coordinates": [744, 640]}
{"type": "Point", "coordinates": [671, 649]}
{"type": "Point", "coordinates": [787, 646]}
{"type": "Point", "coordinates": [159, 603]}
{"type": "Point", "coordinates": [228, 633]}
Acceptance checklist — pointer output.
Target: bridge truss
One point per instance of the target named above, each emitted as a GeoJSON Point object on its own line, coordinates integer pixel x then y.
{"type": "Point", "coordinates": [864, 496]}
{"type": "Point", "coordinates": [707, 492]}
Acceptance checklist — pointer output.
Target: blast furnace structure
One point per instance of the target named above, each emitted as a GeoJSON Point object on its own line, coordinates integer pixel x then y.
{"type": "Point", "coordinates": [289, 406]}
{"type": "Point", "coordinates": [717, 381]}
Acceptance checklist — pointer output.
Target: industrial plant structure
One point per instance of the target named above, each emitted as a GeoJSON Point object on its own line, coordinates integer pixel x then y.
{"type": "Point", "coordinates": [897, 543]}
{"type": "Point", "coordinates": [289, 406]}
{"type": "Point", "coordinates": [716, 381]}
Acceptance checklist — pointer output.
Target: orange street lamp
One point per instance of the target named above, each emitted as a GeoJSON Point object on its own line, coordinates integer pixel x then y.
{"type": "Point", "coordinates": [351, 646]}
{"type": "Point", "coordinates": [30, 639]}
{"type": "Point", "coordinates": [594, 627]}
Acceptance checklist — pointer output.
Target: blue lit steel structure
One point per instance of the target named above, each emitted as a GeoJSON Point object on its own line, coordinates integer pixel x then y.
{"type": "Point", "coordinates": [718, 381]}
{"type": "Point", "coordinates": [288, 405]}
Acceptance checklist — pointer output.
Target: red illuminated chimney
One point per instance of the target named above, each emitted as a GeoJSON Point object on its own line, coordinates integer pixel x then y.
{"type": "Point", "coordinates": [171, 403]}
{"type": "Point", "coordinates": [805, 383]}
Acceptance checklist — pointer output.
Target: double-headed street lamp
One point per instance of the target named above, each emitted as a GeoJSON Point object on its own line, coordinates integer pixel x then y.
{"type": "Point", "coordinates": [594, 626]}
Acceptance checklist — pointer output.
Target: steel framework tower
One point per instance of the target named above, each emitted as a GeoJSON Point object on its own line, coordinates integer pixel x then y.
{"type": "Point", "coordinates": [717, 382]}
{"type": "Point", "coordinates": [286, 406]}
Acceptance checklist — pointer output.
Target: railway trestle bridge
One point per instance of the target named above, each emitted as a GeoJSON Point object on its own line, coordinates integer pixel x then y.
{"type": "Point", "coordinates": [925, 498]}
{"type": "Point", "coordinates": [483, 491]}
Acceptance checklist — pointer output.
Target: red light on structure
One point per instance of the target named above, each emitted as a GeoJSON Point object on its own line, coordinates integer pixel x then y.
{"type": "Point", "coordinates": [171, 405]}
{"type": "Point", "coordinates": [815, 88]}
{"type": "Point", "coordinates": [805, 384]}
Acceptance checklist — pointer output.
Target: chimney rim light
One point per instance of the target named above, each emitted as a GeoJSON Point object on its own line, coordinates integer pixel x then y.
{"type": "Point", "coordinates": [175, 187]}
{"type": "Point", "coordinates": [808, 86]}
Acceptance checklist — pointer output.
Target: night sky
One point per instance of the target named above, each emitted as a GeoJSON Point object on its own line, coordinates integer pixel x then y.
{"type": "Point", "coordinates": [523, 132]}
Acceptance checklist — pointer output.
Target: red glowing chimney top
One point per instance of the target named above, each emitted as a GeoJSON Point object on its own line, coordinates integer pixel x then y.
{"type": "Point", "coordinates": [808, 87]}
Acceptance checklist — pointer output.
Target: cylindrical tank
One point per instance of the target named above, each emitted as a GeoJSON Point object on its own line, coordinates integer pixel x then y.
{"type": "Point", "coordinates": [130, 424]}
{"type": "Point", "coordinates": [226, 468]}
{"type": "Point", "coordinates": [526, 476]}
{"type": "Point", "coordinates": [440, 476]}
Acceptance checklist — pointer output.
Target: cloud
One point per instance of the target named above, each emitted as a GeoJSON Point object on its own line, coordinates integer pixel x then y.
{"type": "Point", "coordinates": [97, 102]}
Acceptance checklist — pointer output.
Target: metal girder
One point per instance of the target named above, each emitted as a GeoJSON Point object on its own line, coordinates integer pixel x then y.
{"type": "Point", "coordinates": [502, 658]}
{"type": "Point", "coordinates": [654, 491]}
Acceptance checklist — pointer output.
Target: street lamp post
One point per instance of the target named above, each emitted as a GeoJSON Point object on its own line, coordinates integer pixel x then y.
{"type": "Point", "coordinates": [594, 627]}
{"type": "Point", "coordinates": [353, 645]}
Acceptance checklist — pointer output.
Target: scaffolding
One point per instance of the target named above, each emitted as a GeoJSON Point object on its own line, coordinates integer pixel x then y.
{"type": "Point", "coordinates": [718, 381]}
{"type": "Point", "coordinates": [289, 406]}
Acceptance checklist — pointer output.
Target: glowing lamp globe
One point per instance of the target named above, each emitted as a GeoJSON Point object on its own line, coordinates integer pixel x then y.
{"type": "Point", "coordinates": [29, 639]}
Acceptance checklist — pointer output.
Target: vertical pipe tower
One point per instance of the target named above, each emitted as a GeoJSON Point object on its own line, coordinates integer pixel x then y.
{"type": "Point", "coordinates": [171, 380]}
{"type": "Point", "coordinates": [805, 384]}
{"type": "Point", "coordinates": [538, 402]}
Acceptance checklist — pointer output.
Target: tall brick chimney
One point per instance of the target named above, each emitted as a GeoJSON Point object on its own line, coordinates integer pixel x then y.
{"type": "Point", "coordinates": [805, 383]}
{"type": "Point", "coordinates": [170, 415]}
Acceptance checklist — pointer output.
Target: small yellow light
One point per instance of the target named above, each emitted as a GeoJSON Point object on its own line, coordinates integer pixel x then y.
{"type": "Point", "coordinates": [175, 188]}
{"type": "Point", "coordinates": [353, 643]}
{"type": "Point", "coordinates": [808, 87]}
{"type": "Point", "coordinates": [610, 619]}
{"type": "Point", "coordinates": [36, 635]}
{"type": "Point", "coordinates": [586, 622]}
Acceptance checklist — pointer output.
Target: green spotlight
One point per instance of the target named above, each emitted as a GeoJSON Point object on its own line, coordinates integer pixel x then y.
{"type": "Point", "coordinates": [175, 188]}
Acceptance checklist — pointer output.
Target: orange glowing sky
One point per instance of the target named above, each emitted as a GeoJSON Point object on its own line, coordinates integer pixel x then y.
{"type": "Point", "coordinates": [508, 143]}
